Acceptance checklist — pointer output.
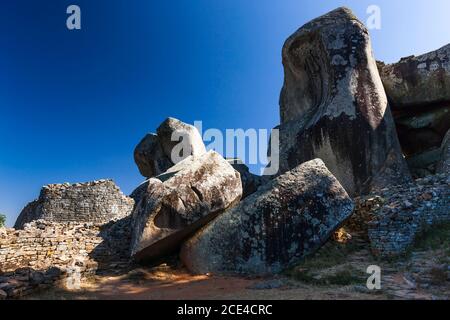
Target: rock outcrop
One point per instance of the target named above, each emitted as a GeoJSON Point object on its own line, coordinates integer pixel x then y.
{"type": "Point", "coordinates": [150, 158]}
{"type": "Point", "coordinates": [94, 202]}
{"type": "Point", "coordinates": [422, 130]}
{"type": "Point", "coordinates": [173, 142]}
{"type": "Point", "coordinates": [443, 166]}
{"type": "Point", "coordinates": [418, 81]}
{"type": "Point", "coordinates": [180, 201]}
{"type": "Point", "coordinates": [333, 105]}
{"type": "Point", "coordinates": [418, 89]}
{"type": "Point", "coordinates": [288, 218]}
{"type": "Point", "coordinates": [172, 131]}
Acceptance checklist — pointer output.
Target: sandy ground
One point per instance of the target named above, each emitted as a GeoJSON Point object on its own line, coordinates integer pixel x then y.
{"type": "Point", "coordinates": [336, 272]}
{"type": "Point", "coordinates": [144, 284]}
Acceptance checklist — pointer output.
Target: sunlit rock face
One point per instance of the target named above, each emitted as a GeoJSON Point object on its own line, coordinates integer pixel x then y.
{"type": "Point", "coordinates": [173, 205]}
{"type": "Point", "coordinates": [333, 105]}
{"type": "Point", "coordinates": [286, 219]}
{"type": "Point", "coordinates": [174, 142]}
{"type": "Point", "coordinates": [418, 81]}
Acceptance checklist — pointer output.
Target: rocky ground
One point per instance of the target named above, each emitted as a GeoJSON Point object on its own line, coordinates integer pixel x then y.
{"type": "Point", "coordinates": [337, 271]}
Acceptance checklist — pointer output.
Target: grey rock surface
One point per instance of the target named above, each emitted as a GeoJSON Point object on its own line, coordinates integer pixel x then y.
{"type": "Point", "coordinates": [418, 81]}
{"type": "Point", "coordinates": [333, 105]}
{"type": "Point", "coordinates": [287, 219]}
{"type": "Point", "coordinates": [180, 201]}
{"type": "Point", "coordinates": [150, 157]}
{"type": "Point", "coordinates": [250, 181]}
{"type": "Point", "coordinates": [172, 131]}
{"type": "Point", "coordinates": [174, 141]}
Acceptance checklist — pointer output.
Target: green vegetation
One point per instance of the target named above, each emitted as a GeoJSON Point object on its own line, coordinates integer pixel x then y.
{"type": "Point", "coordinates": [345, 277]}
{"type": "Point", "coordinates": [434, 238]}
{"type": "Point", "coordinates": [2, 220]}
{"type": "Point", "coordinates": [331, 255]}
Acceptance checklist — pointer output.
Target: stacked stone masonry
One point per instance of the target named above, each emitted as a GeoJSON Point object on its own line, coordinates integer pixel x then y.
{"type": "Point", "coordinates": [93, 202]}
{"type": "Point", "coordinates": [45, 252]}
{"type": "Point", "coordinates": [396, 216]}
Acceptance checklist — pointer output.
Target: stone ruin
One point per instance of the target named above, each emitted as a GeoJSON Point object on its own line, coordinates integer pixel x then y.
{"type": "Point", "coordinates": [69, 231]}
{"type": "Point", "coordinates": [93, 202]}
{"type": "Point", "coordinates": [339, 140]}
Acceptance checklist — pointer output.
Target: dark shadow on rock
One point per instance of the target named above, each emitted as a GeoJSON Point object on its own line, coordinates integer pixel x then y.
{"type": "Point", "coordinates": [113, 254]}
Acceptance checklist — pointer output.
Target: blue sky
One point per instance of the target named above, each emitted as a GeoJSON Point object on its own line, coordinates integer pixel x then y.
{"type": "Point", "coordinates": [73, 104]}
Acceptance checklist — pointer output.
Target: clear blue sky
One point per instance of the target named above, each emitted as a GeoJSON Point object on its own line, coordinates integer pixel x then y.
{"type": "Point", "coordinates": [73, 104]}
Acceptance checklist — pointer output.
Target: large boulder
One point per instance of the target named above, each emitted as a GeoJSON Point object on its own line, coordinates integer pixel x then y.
{"type": "Point", "coordinates": [93, 202]}
{"type": "Point", "coordinates": [333, 105]}
{"type": "Point", "coordinates": [174, 142]}
{"type": "Point", "coordinates": [287, 219]}
{"type": "Point", "coordinates": [150, 157]}
{"type": "Point", "coordinates": [180, 201]}
{"type": "Point", "coordinates": [172, 131]}
{"type": "Point", "coordinates": [444, 161]}
{"type": "Point", "coordinates": [418, 81]}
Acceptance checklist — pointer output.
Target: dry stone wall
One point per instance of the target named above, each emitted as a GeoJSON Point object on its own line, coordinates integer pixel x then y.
{"type": "Point", "coordinates": [45, 252]}
{"type": "Point", "coordinates": [93, 202]}
{"type": "Point", "coordinates": [397, 215]}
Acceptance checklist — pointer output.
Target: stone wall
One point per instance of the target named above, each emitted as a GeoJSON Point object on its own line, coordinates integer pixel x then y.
{"type": "Point", "coordinates": [93, 202]}
{"type": "Point", "coordinates": [397, 215]}
{"type": "Point", "coordinates": [30, 257]}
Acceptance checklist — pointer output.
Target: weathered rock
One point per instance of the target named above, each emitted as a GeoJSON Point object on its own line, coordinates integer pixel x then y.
{"type": "Point", "coordinates": [250, 181]}
{"type": "Point", "coordinates": [172, 131]}
{"type": "Point", "coordinates": [424, 163]}
{"type": "Point", "coordinates": [94, 202]}
{"type": "Point", "coordinates": [418, 81]}
{"type": "Point", "coordinates": [150, 157]}
{"type": "Point", "coordinates": [139, 192]}
{"type": "Point", "coordinates": [288, 218]}
{"type": "Point", "coordinates": [444, 162]}
{"type": "Point", "coordinates": [153, 155]}
{"type": "Point", "coordinates": [422, 130]}
{"type": "Point", "coordinates": [333, 105]}
{"type": "Point", "coordinates": [3, 295]}
{"type": "Point", "coordinates": [419, 91]}
{"type": "Point", "coordinates": [180, 201]}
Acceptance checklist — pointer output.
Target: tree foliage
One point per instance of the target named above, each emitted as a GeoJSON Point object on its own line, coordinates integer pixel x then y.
{"type": "Point", "coordinates": [2, 220]}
